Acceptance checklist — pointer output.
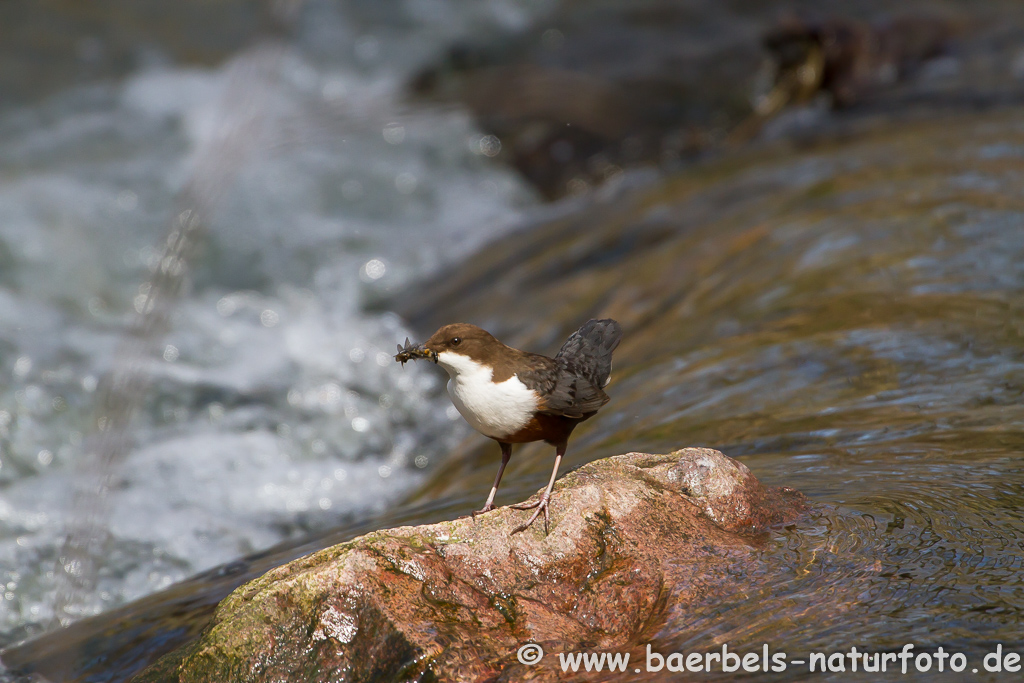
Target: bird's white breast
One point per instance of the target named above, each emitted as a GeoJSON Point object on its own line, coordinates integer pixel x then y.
{"type": "Point", "coordinates": [494, 409]}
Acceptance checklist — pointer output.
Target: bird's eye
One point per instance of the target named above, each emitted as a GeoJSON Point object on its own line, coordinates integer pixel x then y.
{"type": "Point", "coordinates": [455, 341]}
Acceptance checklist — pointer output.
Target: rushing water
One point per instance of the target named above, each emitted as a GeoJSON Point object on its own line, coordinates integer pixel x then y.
{"type": "Point", "coordinates": [272, 406]}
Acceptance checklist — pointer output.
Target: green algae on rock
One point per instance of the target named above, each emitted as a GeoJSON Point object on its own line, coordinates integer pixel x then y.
{"type": "Point", "coordinates": [631, 536]}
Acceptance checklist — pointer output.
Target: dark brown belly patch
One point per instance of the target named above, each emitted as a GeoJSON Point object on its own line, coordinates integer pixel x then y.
{"type": "Point", "coordinates": [555, 429]}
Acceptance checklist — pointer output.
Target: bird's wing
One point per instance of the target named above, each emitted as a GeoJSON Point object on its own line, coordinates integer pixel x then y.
{"type": "Point", "coordinates": [562, 391]}
{"type": "Point", "coordinates": [574, 396]}
{"type": "Point", "coordinates": [588, 351]}
{"type": "Point", "coordinates": [539, 373]}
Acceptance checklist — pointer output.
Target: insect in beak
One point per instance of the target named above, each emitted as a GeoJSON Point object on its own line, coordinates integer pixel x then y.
{"type": "Point", "coordinates": [409, 352]}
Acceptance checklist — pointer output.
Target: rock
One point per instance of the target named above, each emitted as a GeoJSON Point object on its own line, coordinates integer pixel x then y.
{"type": "Point", "coordinates": [596, 88]}
{"type": "Point", "coordinates": [846, 58]}
{"type": "Point", "coordinates": [601, 86]}
{"type": "Point", "coordinates": [632, 538]}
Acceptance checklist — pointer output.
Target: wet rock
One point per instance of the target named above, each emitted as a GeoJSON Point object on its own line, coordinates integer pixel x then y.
{"type": "Point", "coordinates": [845, 58]}
{"type": "Point", "coordinates": [632, 537]}
{"type": "Point", "coordinates": [600, 87]}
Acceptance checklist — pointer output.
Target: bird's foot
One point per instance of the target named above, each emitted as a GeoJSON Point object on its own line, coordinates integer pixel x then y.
{"type": "Point", "coordinates": [541, 505]}
{"type": "Point", "coordinates": [485, 508]}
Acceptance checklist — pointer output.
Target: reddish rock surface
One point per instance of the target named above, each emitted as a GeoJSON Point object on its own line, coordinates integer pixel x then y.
{"type": "Point", "coordinates": [632, 537]}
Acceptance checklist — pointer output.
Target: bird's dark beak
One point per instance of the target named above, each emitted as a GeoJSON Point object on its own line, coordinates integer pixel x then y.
{"type": "Point", "coordinates": [409, 352]}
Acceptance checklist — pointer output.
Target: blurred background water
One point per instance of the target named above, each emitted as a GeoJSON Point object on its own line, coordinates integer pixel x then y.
{"type": "Point", "coordinates": [273, 408]}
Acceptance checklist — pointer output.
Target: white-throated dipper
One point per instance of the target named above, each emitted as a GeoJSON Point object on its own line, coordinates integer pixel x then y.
{"type": "Point", "coordinates": [515, 396]}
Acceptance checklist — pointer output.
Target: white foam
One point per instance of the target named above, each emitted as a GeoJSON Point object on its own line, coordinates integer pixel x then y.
{"type": "Point", "coordinates": [272, 415]}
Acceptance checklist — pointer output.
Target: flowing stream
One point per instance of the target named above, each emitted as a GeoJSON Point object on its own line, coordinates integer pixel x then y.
{"type": "Point", "coordinates": [270, 407]}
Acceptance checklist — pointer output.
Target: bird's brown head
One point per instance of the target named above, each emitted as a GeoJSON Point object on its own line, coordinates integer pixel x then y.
{"type": "Point", "coordinates": [457, 347]}
{"type": "Point", "coordinates": [463, 339]}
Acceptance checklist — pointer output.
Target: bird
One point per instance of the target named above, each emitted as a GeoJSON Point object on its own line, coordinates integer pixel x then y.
{"type": "Point", "coordinates": [515, 396]}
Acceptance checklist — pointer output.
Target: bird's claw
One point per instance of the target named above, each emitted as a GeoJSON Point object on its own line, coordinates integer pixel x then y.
{"type": "Point", "coordinates": [541, 504]}
{"type": "Point", "coordinates": [485, 508]}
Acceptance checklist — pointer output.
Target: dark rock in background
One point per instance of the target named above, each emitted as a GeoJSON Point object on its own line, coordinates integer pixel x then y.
{"type": "Point", "coordinates": [847, 58]}
{"type": "Point", "coordinates": [605, 86]}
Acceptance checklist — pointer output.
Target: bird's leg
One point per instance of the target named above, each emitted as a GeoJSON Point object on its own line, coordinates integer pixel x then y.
{"type": "Point", "coordinates": [506, 453]}
{"type": "Point", "coordinates": [542, 502]}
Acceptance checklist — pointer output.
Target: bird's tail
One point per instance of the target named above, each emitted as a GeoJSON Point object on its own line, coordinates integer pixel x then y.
{"type": "Point", "coordinates": [588, 350]}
